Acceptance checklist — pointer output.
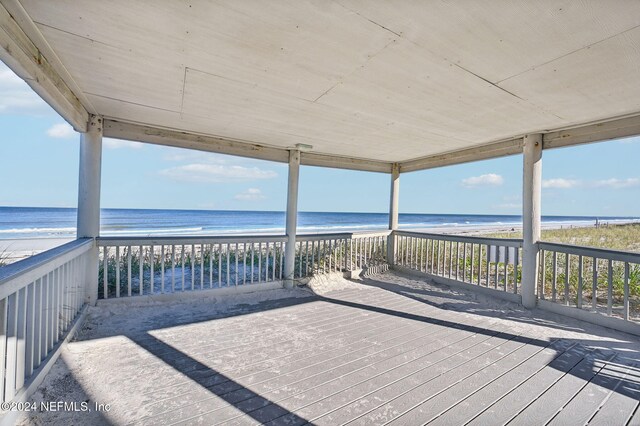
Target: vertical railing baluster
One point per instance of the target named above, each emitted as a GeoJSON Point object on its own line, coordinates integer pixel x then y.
{"type": "Point", "coordinates": [105, 272]}
{"type": "Point", "coordinates": [128, 270]}
{"type": "Point", "coordinates": [464, 262]}
{"type": "Point", "coordinates": [471, 269]}
{"type": "Point", "coordinates": [450, 258]}
{"type": "Point", "coordinates": [626, 292]}
{"type": "Point", "coordinates": [152, 272]}
{"type": "Point", "coordinates": [227, 264]}
{"type": "Point", "coordinates": [253, 255]}
{"type": "Point", "coordinates": [610, 287]}
{"type": "Point", "coordinates": [306, 263]}
{"type": "Point", "coordinates": [281, 258]}
{"type": "Point", "coordinates": [580, 265]}
{"type": "Point", "coordinates": [506, 267]}
{"type": "Point", "coordinates": [273, 270]}
{"type": "Point", "coordinates": [554, 275]}
{"type": "Point", "coordinates": [202, 253]}
{"type": "Point", "coordinates": [37, 331]}
{"type": "Point", "coordinates": [488, 247]}
{"type": "Point", "coordinates": [173, 268]}
{"type": "Point", "coordinates": [182, 271]}
{"type": "Point", "coordinates": [244, 264]}
{"type": "Point", "coordinates": [51, 309]}
{"type": "Point", "coordinates": [516, 264]}
{"type": "Point", "coordinates": [594, 285]}
{"type": "Point", "coordinates": [117, 271]}
{"type": "Point", "coordinates": [211, 254]}
{"type": "Point", "coordinates": [300, 257]}
{"type": "Point", "coordinates": [12, 346]}
{"type": "Point", "coordinates": [457, 260]}
{"type": "Point", "coordinates": [141, 265]}
{"type": "Point", "coordinates": [220, 265]}
{"type": "Point", "coordinates": [479, 264]}
{"type": "Point", "coordinates": [162, 267]}
{"type": "Point", "coordinates": [567, 272]}
{"type": "Point", "coordinates": [30, 325]}
{"type": "Point", "coordinates": [259, 262]}
{"type": "Point", "coordinates": [543, 275]}
{"type": "Point", "coordinates": [3, 345]}
{"type": "Point", "coordinates": [21, 334]}
{"type": "Point", "coordinates": [236, 257]}
{"type": "Point", "coordinates": [192, 266]}
{"type": "Point", "coordinates": [496, 268]}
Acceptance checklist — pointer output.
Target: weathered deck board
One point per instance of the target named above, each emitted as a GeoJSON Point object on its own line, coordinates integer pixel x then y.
{"type": "Point", "coordinates": [397, 350]}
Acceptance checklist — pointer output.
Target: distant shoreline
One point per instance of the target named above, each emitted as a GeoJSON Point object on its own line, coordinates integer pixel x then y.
{"type": "Point", "coordinates": [20, 248]}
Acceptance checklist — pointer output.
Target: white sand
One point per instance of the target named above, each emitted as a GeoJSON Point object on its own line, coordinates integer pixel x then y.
{"type": "Point", "coordinates": [16, 249]}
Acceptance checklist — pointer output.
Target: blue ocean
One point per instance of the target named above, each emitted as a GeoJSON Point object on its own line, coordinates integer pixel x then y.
{"type": "Point", "coordinates": [37, 222]}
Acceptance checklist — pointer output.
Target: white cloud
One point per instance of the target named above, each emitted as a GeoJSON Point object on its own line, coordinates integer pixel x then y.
{"type": "Point", "coordinates": [16, 97]}
{"type": "Point", "coordinates": [617, 183]}
{"type": "Point", "coordinates": [251, 194]}
{"type": "Point", "coordinates": [61, 131]}
{"type": "Point", "coordinates": [117, 144]}
{"type": "Point", "coordinates": [490, 179]}
{"type": "Point", "coordinates": [612, 183]}
{"type": "Point", "coordinates": [216, 173]}
{"type": "Point", "coordinates": [560, 183]}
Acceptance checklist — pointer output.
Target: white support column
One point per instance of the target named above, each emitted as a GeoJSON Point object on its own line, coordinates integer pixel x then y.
{"type": "Point", "coordinates": [89, 197]}
{"type": "Point", "coordinates": [531, 216]}
{"type": "Point", "coordinates": [292, 217]}
{"type": "Point", "coordinates": [393, 212]}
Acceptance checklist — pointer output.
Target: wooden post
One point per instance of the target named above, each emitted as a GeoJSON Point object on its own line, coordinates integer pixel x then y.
{"type": "Point", "coordinates": [532, 184]}
{"type": "Point", "coordinates": [89, 198]}
{"type": "Point", "coordinates": [393, 213]}
{"type": "Point", "coordinates": [292, 217]}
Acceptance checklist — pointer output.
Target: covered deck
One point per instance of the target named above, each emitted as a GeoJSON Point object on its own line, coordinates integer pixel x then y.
{"type": "Point", "coordinates": [384, 87]}
{"type": "Point", "coordinates": [391, 349]}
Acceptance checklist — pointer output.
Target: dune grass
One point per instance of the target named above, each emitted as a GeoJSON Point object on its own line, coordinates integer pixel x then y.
{"type": "Point", "coordinates": [615, 237]}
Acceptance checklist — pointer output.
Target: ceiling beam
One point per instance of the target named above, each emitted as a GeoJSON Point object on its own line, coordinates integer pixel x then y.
{"type": "Point", "coordinates": [180, 139]}
{"type": "Point", "coordinates": [595, 132]}
{"type": "Point", "coordinates": [20, 54]}
{"type": "Point", "coordinates": [147, 134]}
{"type": "Point", "coordinates": [477, 153]}
{"type": "Point", "coordinates": [336, 162]}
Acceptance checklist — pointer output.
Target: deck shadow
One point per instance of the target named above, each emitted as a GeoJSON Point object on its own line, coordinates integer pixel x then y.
{"type": "Point", "coordinates": [466, 304]}
{"type": "Point", "coordinates": [201, 374]}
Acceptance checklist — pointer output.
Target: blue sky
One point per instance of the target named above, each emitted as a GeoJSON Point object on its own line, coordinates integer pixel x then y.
{"type": "Point", "coordinates": [39, 167]}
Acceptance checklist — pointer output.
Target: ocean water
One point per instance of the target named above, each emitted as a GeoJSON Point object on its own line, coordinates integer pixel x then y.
{"type": "Point", "coordinates": [36, 222]}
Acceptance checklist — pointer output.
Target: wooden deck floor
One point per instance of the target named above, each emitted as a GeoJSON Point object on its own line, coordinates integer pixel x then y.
{"type": "Point", "coordinates": [394, 351]}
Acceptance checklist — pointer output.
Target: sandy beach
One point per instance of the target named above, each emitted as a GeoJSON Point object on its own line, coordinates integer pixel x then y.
{"type": "Point", "coordinates": [12, 250]}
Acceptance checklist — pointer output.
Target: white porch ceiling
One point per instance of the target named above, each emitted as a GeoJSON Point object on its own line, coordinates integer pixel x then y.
{"type": "Point", "coordinates": [389, 81]}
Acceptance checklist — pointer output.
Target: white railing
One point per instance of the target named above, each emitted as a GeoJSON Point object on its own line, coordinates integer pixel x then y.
{"type": "Point", "coordinates": [131, 266]}
{"type": "Point", "coordinates": [600, 280]}
{"type": "Point", "coordinates": [345, 252]}
{"type": "Point", "coordinates": [39, 299]}
{"type": "Point", "coordinates": [488, 262]}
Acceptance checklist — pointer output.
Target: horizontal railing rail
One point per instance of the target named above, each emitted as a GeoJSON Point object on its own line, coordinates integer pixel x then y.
{"type": "Point", "coordinates": [188, 240]}
{"type": "Point", "coordinates": [504, 242]}
{"type": "Point", "coordinates": [39, 299]}
{"type": "Point", "coordinates": [487, 262]}
{"type": "Point", "coordinates": [600, 280]}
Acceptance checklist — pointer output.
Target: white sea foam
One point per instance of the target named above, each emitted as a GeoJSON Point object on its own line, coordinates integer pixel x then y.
{"type": "Point", "coordinates": [38, 231]}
